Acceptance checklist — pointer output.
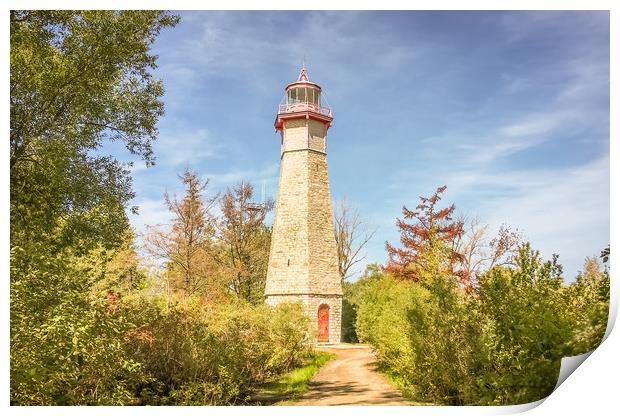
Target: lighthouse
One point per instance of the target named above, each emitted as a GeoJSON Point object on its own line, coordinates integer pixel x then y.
{"type": "Point", "coordinates": [303, 260]}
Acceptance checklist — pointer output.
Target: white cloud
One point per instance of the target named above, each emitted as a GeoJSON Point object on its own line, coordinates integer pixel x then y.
{"type": "Point", "coordinates": [559, 210]}
{"type": "Point", "coordinates": [476, 147]}
{"type": "Point", "coordinates": [185, 147]}
{"type": "Point", "coordinates": [151, 212]}
{"type": "Point", "coordinates": [227, 43]}
{"type": "Point", "coordinates": [267, 175]}
{"type": "Point", "coordinates": [563, 211]}
{"type": "Point", "coordinates": [536, 124]}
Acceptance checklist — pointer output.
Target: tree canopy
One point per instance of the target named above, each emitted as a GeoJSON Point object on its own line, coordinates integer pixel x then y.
{"type": "Point", "coordinates": [79, 78]}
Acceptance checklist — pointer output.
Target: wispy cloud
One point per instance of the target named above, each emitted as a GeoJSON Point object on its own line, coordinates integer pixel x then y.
{"type": "Point", "coordinates": [226, 44]}
{"type": "Point", "coordinates": [509, 109]}
{"type": "Point", "coordinates": [151, 212]}
{"type": "Point", "coordinates": [562, 211]}
{"type": "Point", "coordinates": [182, 146]}
{"type": "Point", "coordinates": [267, 175]}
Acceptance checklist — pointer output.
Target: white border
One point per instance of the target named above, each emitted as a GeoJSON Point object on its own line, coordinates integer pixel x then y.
{"type": "Point", "coordinates": [592, 387]}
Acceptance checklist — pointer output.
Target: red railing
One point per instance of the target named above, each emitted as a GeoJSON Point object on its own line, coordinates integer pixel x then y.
{"type": "Point", "coordinates": [304, 106]}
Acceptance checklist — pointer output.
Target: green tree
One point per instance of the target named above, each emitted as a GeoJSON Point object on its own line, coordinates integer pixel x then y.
{"type": "Point", "coordinates": [67, 344]}
{"type": "Point", "coordinates": [589, 305]}
{"type": "Point", "coordinates": [527, 330]}
{"type": "Point", "coordinates": [78, 78]}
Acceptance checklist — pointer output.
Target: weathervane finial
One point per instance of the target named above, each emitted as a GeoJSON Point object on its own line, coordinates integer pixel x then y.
{"type": "Point", "coordinates": [303, 74]}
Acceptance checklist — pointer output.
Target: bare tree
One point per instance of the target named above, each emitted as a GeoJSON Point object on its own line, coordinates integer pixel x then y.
{"type": "Point", "coordinates": [351, 237]}
{"type": "Point", "coordinates": [185, 246]}
{"type": "Point", "coordinates": [479, 253]}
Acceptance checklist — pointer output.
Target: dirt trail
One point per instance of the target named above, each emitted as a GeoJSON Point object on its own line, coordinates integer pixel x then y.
{"type": "Point", "coordinates": [351, 379]}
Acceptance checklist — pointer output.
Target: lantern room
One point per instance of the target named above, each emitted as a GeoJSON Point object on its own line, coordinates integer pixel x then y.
{"type": "Point", "coordinates": [303, 100]}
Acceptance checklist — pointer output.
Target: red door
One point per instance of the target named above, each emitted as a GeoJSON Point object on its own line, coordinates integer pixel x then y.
{"type": "Point", "coordinates": [324, 323]}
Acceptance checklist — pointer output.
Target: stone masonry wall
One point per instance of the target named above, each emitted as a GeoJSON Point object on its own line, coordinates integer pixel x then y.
{"type": "Point", "coordinates": [311, 305]}
{"type": "Point", "coordinates": [288, 257]}
{"type": "Point", "coordinates": [303, 264]}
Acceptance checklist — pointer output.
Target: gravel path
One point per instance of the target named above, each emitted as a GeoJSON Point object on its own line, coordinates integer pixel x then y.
{"type": "Point", "coordinates": [351, 379]}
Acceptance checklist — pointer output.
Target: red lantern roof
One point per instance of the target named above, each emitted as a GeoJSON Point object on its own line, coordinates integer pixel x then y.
{"type": "Point", "coordinates": [303, 100]}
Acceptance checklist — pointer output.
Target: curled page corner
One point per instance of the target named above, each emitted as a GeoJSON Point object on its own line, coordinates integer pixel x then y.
{"type": "Point", "coordinates": [568, 365]}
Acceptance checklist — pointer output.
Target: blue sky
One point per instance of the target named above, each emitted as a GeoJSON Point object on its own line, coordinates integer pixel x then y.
{"type": "Point", "coordinates": [510, 110]}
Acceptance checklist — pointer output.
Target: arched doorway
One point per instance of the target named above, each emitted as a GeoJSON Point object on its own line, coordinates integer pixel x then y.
{"type": "Point", "coordinates": [323, 322]}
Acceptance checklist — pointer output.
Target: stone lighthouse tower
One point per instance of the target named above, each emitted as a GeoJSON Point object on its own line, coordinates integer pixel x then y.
{"type": "Point", "coordinates": [303, 262]}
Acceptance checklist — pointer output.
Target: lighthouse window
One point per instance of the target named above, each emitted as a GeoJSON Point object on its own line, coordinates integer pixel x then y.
{"type": "Point", "coordinates": [303, 95]}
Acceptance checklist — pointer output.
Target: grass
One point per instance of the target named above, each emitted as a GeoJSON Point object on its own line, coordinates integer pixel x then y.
{"type": "Point", "coordinates": [406, 389]}
{"type": "Point", "coordinates": [290, 386]}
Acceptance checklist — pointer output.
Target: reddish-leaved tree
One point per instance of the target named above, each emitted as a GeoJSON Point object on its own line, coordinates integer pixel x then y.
{"type": "Point", "coordinates": [429, 238]}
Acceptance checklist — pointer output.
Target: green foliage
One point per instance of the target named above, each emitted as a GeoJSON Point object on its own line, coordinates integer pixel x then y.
{"type": "Point", "coordinates": [382, 302]}
{"type": "Point", "coordinates": [78, 78]}
{"type": "Point", "coordinates": [198, 354]}
{"type": "Point", "coordinates": [443, 337]}
{"type": "Point", "coordinates": [526, 330]}
{"type": "Point", "coordinates": [500, 343]}
{"type": "Point", "coordinates": [348, 332]}
{"type": "Point", "coordinates": [292, 384]}
{"type": "Point", "coordinates": [589, 304]}
{"type": "Point", "coordinates": [352, 296]}
{"type": "Point", "coordinates": [66, 339]}
{"type": "Point", "coordinates": [85, 326]}
{"type": "Point", "coordinates": [72, 343]}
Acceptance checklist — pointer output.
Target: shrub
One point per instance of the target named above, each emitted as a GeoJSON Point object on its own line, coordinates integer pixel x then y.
{"type": "Point", "coordinates": [196, 353]}
{"type": "Point", "coordinates": [382, 304]}
{"type": "Point", "coordinates": [589, 304]}
{"type": "Point", "coordinates": [444, 336]}
{"type": "Point", "coordinates": [67, 343]}
{"type": "Point", "coordinates": [498, 343]}
{"type": "Point", "coordinates": [75, 342]}
{"type": "Point", "coordinates": [527, 329]}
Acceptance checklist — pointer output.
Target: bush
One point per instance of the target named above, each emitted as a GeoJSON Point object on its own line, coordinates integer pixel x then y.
{"type": "Point", "coordinates": [527, 329]}
{"type": "Point", "coordinates": [444, 337]}
{"type": "Point", "coordinates": [589, 304]}
{"type": "Point", "coordinates": [75, 342]}
{"type": "Point", "coordinates": [197, 354]}
{"type": "Point", "coordinates": [420, 333]}
{"type": "Point", "coordinates": [348, 331]}
{"type": "Point", "coordinates": [67, 343]}
{"type": "Point", "coordinates": [500, 343]}
{"type": "Point", "coordinates": [382, 304]}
